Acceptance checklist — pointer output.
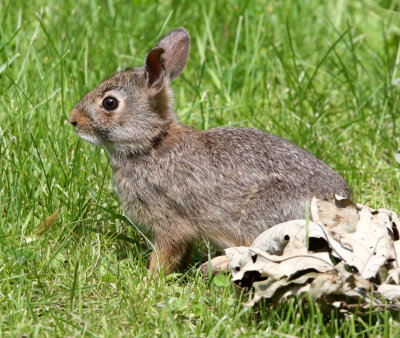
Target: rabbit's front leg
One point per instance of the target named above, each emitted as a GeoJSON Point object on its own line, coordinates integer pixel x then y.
{"type": "Point", "coordinates": [168, 255]}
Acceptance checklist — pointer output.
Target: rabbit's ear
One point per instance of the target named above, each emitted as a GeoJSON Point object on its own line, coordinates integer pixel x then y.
{"type": "Point", "coordinates": [176, 45]}
{"type": "Point", "coordinates": [155, 69]}
{"type": "Point", "coordinates": [167, 59]}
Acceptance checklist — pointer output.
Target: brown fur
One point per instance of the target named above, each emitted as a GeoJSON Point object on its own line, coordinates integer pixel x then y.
{"type": "Point", "coordinates": [226, 185]}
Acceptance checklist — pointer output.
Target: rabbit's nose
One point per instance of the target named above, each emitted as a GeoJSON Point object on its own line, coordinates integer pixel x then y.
{"type": "Point", "coordinates": [74, 117]}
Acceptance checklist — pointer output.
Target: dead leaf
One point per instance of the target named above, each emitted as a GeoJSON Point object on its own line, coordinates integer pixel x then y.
{"type": "Point", "coordinates": [371, 244]}
{"type": "Point", "coordinates": [279, 264]}
{"type": "Point", "coordinates": [275, 239]}
{"type": "Point", "coordinates": [393, 276]}
{"type": "Point", "coordinates": [339, 215]}
{"type": "Point", "coordinates": [217, 264]}
{"type": "Point", "coordinates": [42, 228]}
{"type": "Point", "coordinates": [389, 291]}
{"type": "Point", "coordinates": [326, 284]}
{"type": "Point", "coordinates": [294, 259]}
{"type": "Point", "coordinates": [276, 290]}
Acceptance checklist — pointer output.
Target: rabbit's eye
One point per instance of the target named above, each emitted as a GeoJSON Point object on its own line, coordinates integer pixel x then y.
{"type": "Point", "coordinates": [110, 103]}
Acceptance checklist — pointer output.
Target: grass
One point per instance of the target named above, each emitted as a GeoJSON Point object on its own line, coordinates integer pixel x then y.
{"type": "Point", "coordinates": [319, 73]}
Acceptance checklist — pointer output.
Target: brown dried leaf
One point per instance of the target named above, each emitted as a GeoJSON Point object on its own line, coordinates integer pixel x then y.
{"type": "Point", "coordinates": [393, 276]}
{"type": "Point", "coordinates": [359, 236]}
{"type": "Point", "coordinates": [396, 248]}
{"type": "Point", "coordinates": [269, 288]}
{"type": "Point", "coordinates": [326, 284]}
{"type": "Point", "coordinates": [295, 259]}
{"type": "Point", "coordinates": [293, 290]}
{"type": "Point", "coordinates": [346, 291]}
{"type": "Point", "coordinates": [371, 244]}
{"type": "Point", "coordinates": [339, 215]}
{"type": "Point", "coordinates": [390, 292]}
{"type": "Point", "coordinates": [43, 227]}
{"type": "Point", "coordinates": [276, 290]}
{"type": "Point", "coordinates": [217, 264]}
{"type": "Point", "coordinates": [275, 239]}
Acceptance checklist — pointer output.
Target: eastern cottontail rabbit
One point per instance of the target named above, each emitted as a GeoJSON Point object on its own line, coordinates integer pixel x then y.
{"type": "Point", "coordinates": [225, 184]}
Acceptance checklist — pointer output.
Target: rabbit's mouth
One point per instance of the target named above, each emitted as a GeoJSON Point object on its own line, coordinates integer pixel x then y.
{"type": "Point", "coordinates": [88, 138]}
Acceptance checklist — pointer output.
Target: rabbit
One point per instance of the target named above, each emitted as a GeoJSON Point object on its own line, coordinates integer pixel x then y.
{"type": "Point", "coordinates": [226, 185]}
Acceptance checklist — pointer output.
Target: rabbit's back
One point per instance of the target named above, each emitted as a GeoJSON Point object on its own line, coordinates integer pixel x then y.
{"type": "Point", "coordinates": [226, 184]}
{"type": "Point", "coordinates": [268, 159]}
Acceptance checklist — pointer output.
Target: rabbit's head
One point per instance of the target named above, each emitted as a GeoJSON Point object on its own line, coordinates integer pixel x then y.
{"type": "Point", "coordinates": [128, 112]}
